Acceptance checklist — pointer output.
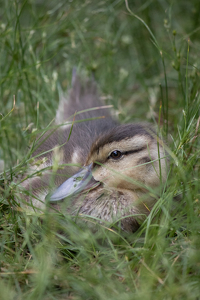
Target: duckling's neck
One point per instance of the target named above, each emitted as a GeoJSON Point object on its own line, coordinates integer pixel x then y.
{"type": "Point", "coordinates": [112, 206]}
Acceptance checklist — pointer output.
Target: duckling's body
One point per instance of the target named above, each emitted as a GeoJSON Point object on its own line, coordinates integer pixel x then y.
{"type": "Point", "coordinates": [123, 159]}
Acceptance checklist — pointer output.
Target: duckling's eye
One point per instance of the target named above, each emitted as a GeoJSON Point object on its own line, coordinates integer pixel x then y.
{"type": "Point", "coordinates": [116, 154]}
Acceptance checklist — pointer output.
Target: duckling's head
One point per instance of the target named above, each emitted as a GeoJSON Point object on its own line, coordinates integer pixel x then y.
{"type": "Point", "coordinates": [128, 157]}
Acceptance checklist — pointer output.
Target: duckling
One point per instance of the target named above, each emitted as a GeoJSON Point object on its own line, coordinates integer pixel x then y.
{"type": "Point", "coordinates": [107, 170]}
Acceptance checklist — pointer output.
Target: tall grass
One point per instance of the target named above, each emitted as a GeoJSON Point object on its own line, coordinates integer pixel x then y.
{"type": "Point", "coordinates": [49, 256]}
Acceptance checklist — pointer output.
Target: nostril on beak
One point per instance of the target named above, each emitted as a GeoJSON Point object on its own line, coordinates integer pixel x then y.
{"type": "Point", "coordinates": [94, 165]}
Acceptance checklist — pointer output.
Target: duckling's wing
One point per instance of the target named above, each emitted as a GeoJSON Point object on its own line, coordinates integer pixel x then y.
{"type": "Point", "coordinates": [82, 97]}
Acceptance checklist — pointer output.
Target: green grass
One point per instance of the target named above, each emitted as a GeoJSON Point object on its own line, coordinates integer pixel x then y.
{"type": "Point", "coordinates": [149, 69]}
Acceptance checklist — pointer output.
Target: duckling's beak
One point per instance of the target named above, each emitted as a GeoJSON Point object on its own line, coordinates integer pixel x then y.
{"type": "Point", "coordinates": [81, 181]}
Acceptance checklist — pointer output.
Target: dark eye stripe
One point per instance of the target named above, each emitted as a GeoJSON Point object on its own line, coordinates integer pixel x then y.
{"type": "Point", "coordinates": [134, 151]}
{"type": "Point", "coordinates": [116, 154]}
